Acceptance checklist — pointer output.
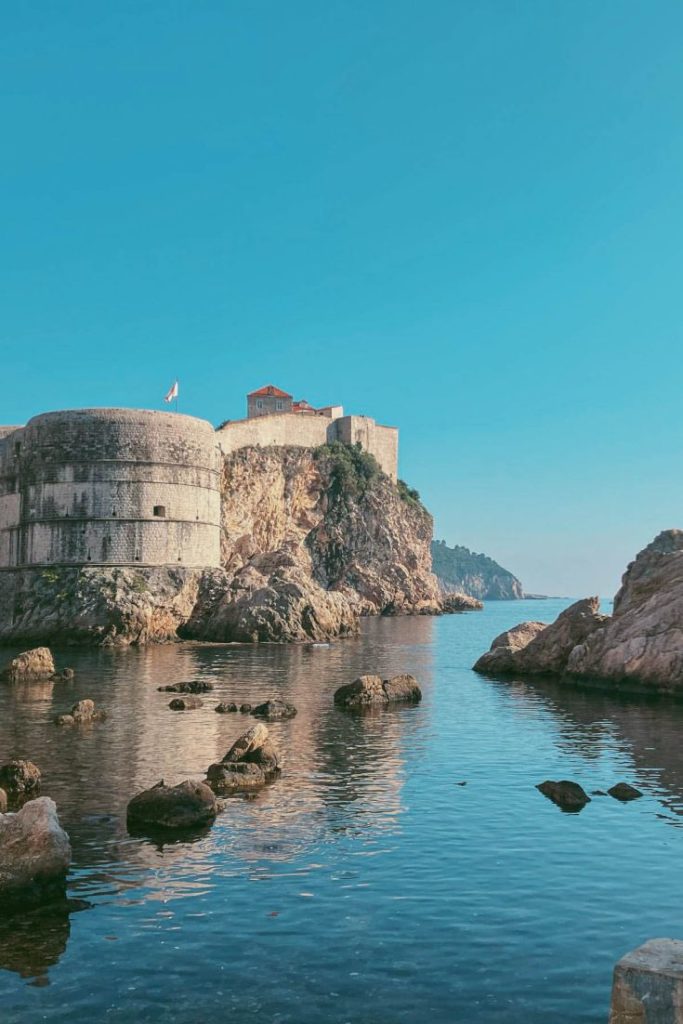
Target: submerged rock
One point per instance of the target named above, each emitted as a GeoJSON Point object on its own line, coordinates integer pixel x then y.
{"type": "Point", "coordinates": [192, 687]}
{"type": "Point", "coordinates": [624, 792]}
{"type": "Point", "coordinates": [185, 703]}
{"type": "Point", "coordinates": [224, 708]}
{"type": "Point", "coordinates": [35, 854]}
{"type": "Point", "coordinates": [250, 763]}
{"type": "Point", "coordinates": [570, 796]}
{"type": "Point", "coordinates": [367, 691]}
{"type": "Point", "coordinates": [187, 805]}
{"type": "Point", "coordinates": [34, 664]}
{"type": "Point", "coordinates": [82, 712]}
{"type": "Point", "coordinates": [272, 710]}
{"type": "Point", "coordinates": [245, 709]}
{"type": "Point", "coordinates": [19, 778]}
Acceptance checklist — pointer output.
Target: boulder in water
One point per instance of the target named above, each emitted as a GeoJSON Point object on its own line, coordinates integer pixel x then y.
{"type": "Point", "coordinates": [196, 686]}
{"type": "Point", "coordinates": [224, 708]}
{"type": "Point", "coordinates": [569, 796]}
{"type": "Point", "coordinates": [37, 663]}
{"type": "Point", "coordinates": [35, 854]}
{"type": "Point", "coordinates": [83, 711]}
{"type": "Point", "coordinates": [187, 805]}
{"type": "Point", "coordinates": [624, 792]}
{"type": "Point", "coordinates": [273, 710]}
{"type": "Point", "coordinates": [185, 703]}
{"type": "Point", "coordinates": [250, 763]}
{"type": "Point", "coordinates": [373, 691]}
{"type": "Point", "coordinates": [19, 778]}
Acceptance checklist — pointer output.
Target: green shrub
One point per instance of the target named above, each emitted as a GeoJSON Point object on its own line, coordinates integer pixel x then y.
{"type": "Point", "coordinates": [352, 469]}
{"type": "Point", "coordinates": [408, 494]}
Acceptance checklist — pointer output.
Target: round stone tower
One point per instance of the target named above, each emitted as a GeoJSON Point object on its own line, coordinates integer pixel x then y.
{"type": "Point", "coordinates": [110, 487]}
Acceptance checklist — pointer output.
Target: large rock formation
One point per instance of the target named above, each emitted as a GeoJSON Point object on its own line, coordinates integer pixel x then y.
{"type": "Point", "coordinates": [96, 605]}
{"type": "Point", "coordinates": [460, 570]}
{"type": "Point", "coordinates": [640, 645]}
{"type": "Point", "coordinates": [34, 855]}
{"type": "Point", "coordinates": [337, 516]}
{"type": "Point", "coordinates": [533, 647]}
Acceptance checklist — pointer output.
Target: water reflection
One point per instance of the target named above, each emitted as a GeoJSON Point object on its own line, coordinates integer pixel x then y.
{"type": "Point", "coordinates": [31, 943]}
{"type": "Point", "coordinates": [591, 723]}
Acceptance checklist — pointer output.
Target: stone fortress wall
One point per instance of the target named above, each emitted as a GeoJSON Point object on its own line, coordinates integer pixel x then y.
{"type": "Point", "coordinates": [310, 431]}
{"type": "Point", "coordinates": [110, 486]}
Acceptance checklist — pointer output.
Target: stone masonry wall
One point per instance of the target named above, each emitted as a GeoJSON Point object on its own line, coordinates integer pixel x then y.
{"type": "Point", "coordinates": [110, 486]}
{"type": "Point", "coordinates": [292, 429]}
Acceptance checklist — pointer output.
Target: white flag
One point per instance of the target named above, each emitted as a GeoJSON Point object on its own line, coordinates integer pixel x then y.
{"type": "Point", "coordinates": [173, 393]}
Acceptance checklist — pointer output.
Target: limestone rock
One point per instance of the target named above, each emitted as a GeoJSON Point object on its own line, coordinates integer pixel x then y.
{"type": "Point", "coordinates": [225, 778]}
{"type": "Point", "coordinates": [271, 600]}
{"type": "Point", "coordinates": [642, 643]}
{"type": "Point", "coordinates": [624, 792]}
{"type": "Point", "coordinates": [187, 805]}
{"type": "Point", "coordinates": [569, 796]}
{"type": "Point", "coordinates": [250, 763]}
{"type": "Point", "coordinates": [96, 605]}
{"type": "Point", "coordinates": [224, 708]}
{"type": "Point", "coordinates": [453, 602]}
{"type": "Point", "coordinates": [185, 703]}
{"type": "Point", "coordinates": [20, 778]}
{"type": "Point", "coordinates": [547, 649]}
{"type": "Point", "coordinates": [34, 855]}
{"type": "Point", "coordinates": [501, 656]}
{"type": "Point", "coordinates": [37, 663]}
{"type": "Point", "coordinates": [272, 710]}
{"type": "Point", "coordinates": [369, 691]}
{"type": "Point", "coordinates": [197, 686]}
{"type": "Point", "coordinates": [83, 711]}
{"type": "Point", "coordinates": [648, 984]}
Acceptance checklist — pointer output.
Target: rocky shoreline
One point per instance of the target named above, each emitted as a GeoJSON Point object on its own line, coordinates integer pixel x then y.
{"type": "Point", "coordinates": [638, 647]}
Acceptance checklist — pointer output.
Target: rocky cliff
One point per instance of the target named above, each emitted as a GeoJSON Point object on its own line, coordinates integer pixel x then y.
{"type": "Point", "coordinates": [640, 645]}
{"type": "Point", "coordinates": [459, 569]}
{"type": "Point", "coordinates": [311, 539]}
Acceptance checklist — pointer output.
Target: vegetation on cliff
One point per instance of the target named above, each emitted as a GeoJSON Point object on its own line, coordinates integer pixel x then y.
{"type": "Point", "coordinates": [459, 569]}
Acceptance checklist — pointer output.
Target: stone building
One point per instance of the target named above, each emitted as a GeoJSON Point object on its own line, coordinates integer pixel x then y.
{"type": "Point", "coordinates": [299, 423]}
{"type": "Point", "coordinates": [110, 487]}
{"type": "Point", "coordinates": [268, 400]}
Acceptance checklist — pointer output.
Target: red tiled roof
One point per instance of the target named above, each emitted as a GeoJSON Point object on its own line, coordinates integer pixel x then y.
{"type": "Point", "coordinates": [269, 390]}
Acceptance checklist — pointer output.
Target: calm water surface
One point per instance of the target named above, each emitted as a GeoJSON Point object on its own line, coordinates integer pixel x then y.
{"type": "Point", "coordinates": [366, 886]}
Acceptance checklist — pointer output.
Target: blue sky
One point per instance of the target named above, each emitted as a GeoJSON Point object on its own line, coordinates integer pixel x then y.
{"type": "Point", "coordinates": [464, 219]}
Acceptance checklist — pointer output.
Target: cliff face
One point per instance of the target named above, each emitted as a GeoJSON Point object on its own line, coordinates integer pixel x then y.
{"type": "Point", "coordinates": [459, 569]}
{"type": "Point", "coordinates": [336, 517]}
